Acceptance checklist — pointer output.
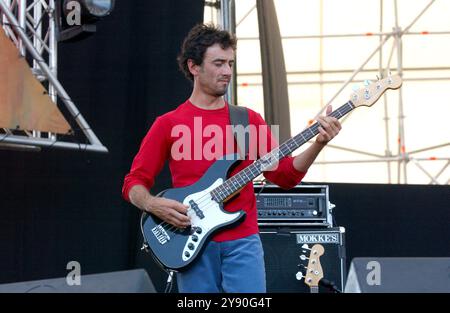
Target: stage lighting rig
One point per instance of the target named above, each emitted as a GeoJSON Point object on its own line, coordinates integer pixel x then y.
{"type": "Point", "coordinates": [77, 18]}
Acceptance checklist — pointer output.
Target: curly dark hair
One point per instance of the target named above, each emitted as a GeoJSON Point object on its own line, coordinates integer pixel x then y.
{"type": "Point", "coordinates": [200, 38]}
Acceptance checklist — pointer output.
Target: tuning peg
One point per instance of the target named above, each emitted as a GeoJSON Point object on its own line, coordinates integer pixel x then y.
{"type": "Point", "coordinates": [355, 88]}
{"type": "Point", "coordinates": [305, 246]}
{"type": "Point", "coordinates": [299, 275]}
{"type": "Point", "coordinates": [367, 82]}
{"type": "Point", "coordinates": [303, 257]}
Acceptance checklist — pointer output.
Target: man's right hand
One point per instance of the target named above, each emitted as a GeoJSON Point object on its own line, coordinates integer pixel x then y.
{"type": "Point", "coordinates": [170, 211]}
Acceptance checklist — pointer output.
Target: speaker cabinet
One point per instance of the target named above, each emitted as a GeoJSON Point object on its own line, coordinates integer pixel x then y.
{"type": "Point", "coordinates": [132, 281]}
{"type": "Point", "coordinates": [283, 257]}
{"type": "Point", "coordinates": [389, 275]}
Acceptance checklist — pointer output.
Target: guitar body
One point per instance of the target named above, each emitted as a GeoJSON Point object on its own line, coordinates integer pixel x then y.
{"type": "Point", "coordinates": [176, 248]}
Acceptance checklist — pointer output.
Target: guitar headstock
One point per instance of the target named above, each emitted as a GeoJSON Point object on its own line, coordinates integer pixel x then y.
{"type": "Point", "coordinates": [314, 272]}
{"type": "Point", "coordinates": [368, 95]}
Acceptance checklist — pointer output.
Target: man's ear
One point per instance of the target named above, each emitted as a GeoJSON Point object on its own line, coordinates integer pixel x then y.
{"type": "Point", "coordinates": [193, 68]}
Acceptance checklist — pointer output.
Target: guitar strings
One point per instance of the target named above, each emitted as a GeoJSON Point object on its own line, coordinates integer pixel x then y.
{"type": "Point", "coordinates": [200, 201]}
{"type": "Point", "coordinates": [177, 228]}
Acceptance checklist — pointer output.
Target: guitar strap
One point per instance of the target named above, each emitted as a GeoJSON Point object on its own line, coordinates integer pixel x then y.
{"type": "Point", "coordinates": [239, 116]}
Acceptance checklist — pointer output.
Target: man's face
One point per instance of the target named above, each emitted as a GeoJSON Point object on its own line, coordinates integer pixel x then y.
{"type": "Point", "coordinates": [214, 75]}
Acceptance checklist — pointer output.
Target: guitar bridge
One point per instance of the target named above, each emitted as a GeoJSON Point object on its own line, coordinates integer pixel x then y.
{"type": "Point", "coordinates": [160, 234]}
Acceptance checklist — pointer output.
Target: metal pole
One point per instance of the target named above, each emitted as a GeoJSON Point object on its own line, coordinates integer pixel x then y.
{"type": "Point", "coordinates": [355, 72]}
{"type": "Point", "coordinates": [53, 80]}
{"type": "Point", "coordinates": [339, 71]}
{"type": "Point", "coordinates": [321, 100]}
{"type": "Point", "coordinates": [52, 54]}
{"type": "Point", "coordinates": [7, 27]}
{"type": "Point", "coordinates": [355, 151]}
{"type": "Point", "coordinates": [245, 15]}
{"type": "Point", "coordinates": [225, 14]}
{"type": "Point", "coordinates": [401, 117]}
{"type": "Point", "coordinates": [423, 170]}
{"type": "Point", "coordinates": [415, 20]}
{"type": "Point", "coordinates": [429, 148]}
{"type": "Point", "coordinates": [309, 82]}
{"type": "Point", "coordinates": [37, 26]}
{"type": "Point", "coordinates": [384, 159]}
{"type": "Point", "coordinates": [43, 142]}
{"type": "Point", "coordinates": [387, 152]}
{"type": "Point", "coordinates": [369, 34]}
{"type": "Point", "coordinates": [22, 6]}
{"type": "Point", "coordinates": [225, 23]}
{"type": "Point", "coordinates": [443, 169]}
{"type": "Point", "coordinates": [233, 83]}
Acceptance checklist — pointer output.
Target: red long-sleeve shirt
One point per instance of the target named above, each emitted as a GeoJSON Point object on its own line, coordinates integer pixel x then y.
{"type": "Point", "coordinates": [191, 139]}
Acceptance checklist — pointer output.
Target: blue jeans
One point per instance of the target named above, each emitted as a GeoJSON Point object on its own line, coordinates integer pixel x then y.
{"type": "Point", "coordinates": [229, 266]}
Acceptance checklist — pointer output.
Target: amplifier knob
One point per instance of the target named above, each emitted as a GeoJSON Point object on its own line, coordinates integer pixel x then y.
{"type": "Point", "coordinates": [315, 213]}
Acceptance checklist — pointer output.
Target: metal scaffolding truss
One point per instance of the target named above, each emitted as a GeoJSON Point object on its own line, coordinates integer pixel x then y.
{"type": "Point", "coordinates": [401, 156]}
{"type": "Point", "coordinates": [31, 25]}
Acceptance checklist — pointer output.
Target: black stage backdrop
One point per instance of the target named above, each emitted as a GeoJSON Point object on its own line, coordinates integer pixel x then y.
{"type": "Point", "coordinates": [57, 206]}
{"type": "Point", "coordinates": [393, 220]}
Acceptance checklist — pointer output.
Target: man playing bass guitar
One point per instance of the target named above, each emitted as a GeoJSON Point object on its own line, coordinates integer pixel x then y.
{"type": "Point", "coordinates": [191, 138]}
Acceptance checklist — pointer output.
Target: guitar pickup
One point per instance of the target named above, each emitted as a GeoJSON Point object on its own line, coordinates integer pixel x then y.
{"type": "Point", "coordinates": [196, 209]}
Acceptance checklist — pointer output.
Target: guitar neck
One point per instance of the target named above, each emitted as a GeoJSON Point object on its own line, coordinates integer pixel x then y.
{"type": "Point", "coordinates": [266, 162]}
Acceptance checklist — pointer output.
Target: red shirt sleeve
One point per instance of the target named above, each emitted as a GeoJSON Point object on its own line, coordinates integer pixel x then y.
{"type": "Point", "coordinates": [148, 162]}
{"type": "Point", "coordinates": [284, 175]}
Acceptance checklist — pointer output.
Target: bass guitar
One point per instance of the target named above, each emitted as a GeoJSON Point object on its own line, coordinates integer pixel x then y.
{"type": "Point", "coordinates": [176, 248]}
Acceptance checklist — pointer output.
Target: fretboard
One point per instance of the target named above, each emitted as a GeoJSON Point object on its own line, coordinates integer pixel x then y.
{"type": "Point", "coordinates": [269, 160]}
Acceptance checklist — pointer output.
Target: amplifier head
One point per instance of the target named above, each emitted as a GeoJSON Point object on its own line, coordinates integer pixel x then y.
{"type": "Point", "coordinates": [304, 204]}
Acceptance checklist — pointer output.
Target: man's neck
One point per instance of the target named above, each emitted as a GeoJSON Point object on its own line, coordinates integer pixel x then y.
{"type": "Point", "coordinates": [207, 102]}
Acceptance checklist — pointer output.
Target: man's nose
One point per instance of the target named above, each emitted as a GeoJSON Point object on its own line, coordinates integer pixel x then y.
{"type": "Point", "coordinates": [227, 69]}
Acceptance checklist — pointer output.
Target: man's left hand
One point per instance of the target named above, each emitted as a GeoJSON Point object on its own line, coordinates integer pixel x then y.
{"type": "Point", "coordinates": [330, 127]}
